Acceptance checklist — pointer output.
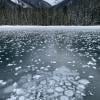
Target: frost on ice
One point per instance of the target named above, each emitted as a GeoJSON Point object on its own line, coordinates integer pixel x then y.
{"type": "Point", "coordinates": [61, 84]}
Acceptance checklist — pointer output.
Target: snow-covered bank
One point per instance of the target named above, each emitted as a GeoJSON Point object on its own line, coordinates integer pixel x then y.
{"type": "Point", "coordinates": [51, 28]}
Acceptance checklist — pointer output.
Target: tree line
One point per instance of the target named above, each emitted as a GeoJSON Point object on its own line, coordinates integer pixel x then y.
{"type": "Point", "coordinates": [84, 12]}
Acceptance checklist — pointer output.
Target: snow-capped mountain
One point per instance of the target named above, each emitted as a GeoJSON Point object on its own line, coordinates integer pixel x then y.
{"type": "Point", "coordinates": [20, 3]}
{"type": "Point", "coordinates": [34, 3]}
{"type": "Point", "coordinates": [37, 3]}
{"type": "Point", "coordinates": [53, 2]}
{"type": "Point", "coordinates": [15, 1]}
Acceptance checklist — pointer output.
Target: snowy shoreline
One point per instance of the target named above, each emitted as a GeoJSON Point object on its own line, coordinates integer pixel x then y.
{"type": "Point", "coordinates": [50, 28]}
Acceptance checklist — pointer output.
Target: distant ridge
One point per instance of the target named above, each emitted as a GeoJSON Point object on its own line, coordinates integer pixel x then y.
{"type": "Point", "coordinates": [34, 3]}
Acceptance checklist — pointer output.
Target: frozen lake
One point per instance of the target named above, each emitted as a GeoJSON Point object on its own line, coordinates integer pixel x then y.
{"type": "Point", "coordinates": [50, 63]}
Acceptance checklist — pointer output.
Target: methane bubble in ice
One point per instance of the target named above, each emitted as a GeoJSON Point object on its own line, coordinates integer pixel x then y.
{"type": "Point", "coordinates": [61, 84]}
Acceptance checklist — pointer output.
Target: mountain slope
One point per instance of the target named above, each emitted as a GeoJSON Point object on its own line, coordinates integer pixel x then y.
{"type": "Point", "coordinates": [39, 3]}
{"type": "Point", "coordinates": [34, 3]}
{"type": "Point", "coordinates": [21, 3]}
{"type": "Point", "coordinates": [67, 12]}
{"type": "Point", "coordinates": [8, 4]}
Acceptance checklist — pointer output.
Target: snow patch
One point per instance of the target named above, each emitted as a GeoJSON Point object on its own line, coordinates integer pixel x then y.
{"type": "Point", "coordinates": [15, 1]}
{"type": "Point", "coordinates": [53, 2]}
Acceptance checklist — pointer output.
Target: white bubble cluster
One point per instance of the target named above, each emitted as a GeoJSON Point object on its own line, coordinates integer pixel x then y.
{"type": "Point", "coordinates": [61, 84]}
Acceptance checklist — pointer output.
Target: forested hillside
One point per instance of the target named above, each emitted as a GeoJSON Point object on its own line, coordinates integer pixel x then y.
{"type": "Point", "coordinates": [81, 12]}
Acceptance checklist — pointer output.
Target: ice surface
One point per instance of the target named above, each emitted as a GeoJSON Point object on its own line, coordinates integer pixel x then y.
{"type": "Point", "coordinates": [59, 89]}
{"type": "Point", "coordinates": [91, 76]}
{"type": "Point", "coordinates": [57, 85]}
{"type": "Point", "coordinates": [83, 81]}
{"type": "Point", "coordinates": [64, 98]}
{"type": "Point", "coordinates": [69, 93]}
{"type": "Point", "coordinates": [46, 53]}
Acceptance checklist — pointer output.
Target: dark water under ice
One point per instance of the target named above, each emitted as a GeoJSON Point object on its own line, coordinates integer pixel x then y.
{"type": "Point", "coordinates": [24, 53]}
